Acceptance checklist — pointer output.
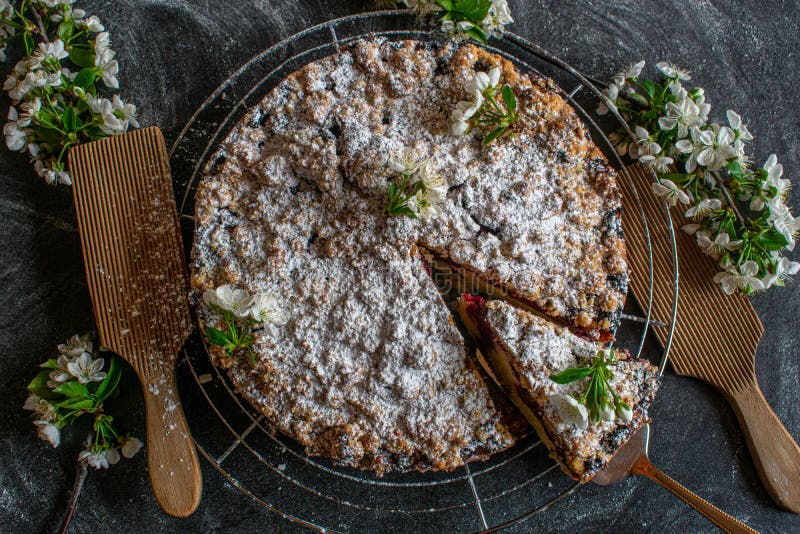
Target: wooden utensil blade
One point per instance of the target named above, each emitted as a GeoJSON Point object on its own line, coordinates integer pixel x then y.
{"type": "Point", "coordinates": [132, 245]}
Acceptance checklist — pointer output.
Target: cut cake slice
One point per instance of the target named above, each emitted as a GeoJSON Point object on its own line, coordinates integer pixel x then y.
{"type": "Point", "coordinates": [524, 350]}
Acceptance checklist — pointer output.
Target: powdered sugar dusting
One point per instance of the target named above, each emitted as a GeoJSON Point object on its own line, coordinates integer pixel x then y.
{"type": "Point", "coordinates": [370, 369]}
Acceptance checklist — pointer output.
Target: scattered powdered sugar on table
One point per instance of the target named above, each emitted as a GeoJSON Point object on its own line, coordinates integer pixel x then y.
{"type": "Point", "coordinates": [370, 369]}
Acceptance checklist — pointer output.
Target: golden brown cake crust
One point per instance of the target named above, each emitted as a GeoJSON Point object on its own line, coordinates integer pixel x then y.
{"type": "Point", "coordinates": [370, 371]}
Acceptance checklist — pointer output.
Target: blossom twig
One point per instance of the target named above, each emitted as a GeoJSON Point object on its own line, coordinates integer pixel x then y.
{"type": "Point", "coordinates": [80, 477]}
{"type": "Point", "coordinates": [705, 166]}
{"type": "Point", "coordinates": [55, 88]}
{"type": "Point", "coordinates": [39, 23]}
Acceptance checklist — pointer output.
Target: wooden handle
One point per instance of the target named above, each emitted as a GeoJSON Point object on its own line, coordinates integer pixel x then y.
{"type": "Point", "coordinates": [775, 453]}
{"type": "Point", "coordinates": [171, 456]}
{"type": "Point", "coordinates": [709, 511]}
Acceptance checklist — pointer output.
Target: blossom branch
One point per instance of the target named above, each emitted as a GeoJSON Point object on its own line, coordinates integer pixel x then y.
{"type": "Point", "coordinates": [39, 23]}
{"type": "Point", "coordinates": [702, 164]}
{"type": "Point", "coordinates": [56, 88]}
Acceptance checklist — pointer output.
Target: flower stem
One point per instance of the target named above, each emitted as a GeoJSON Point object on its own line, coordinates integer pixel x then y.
{"type": "Point", "coordinates": [39, 23]}
{"type": "Point", "coordinates": [80, 477]}
{"type": "Point", "coordinates": [730, 201]}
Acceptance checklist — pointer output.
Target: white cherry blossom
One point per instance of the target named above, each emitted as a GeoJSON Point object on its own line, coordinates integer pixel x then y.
{"type": "Point", "coordinates": [426, 204]}
{"type": "Point", "coordinates": [672, 71]}
{"type": "Point", "coordinates": [404, 161]}
{"type": "Point", "coordinates": [682, 116]}
{"type": "Point", "coordinates": [482, 81]}
{"type": "Point", "coordinates": [48, 432]}
{"type": "Point", "coordinates": [130, 446]}
{"type": "Point", "coordinates": [16, 137]}
{"type": "Point", "coordinates": [721, 243]}
{"type": "Point", "coordinates": [31, 402]}
{"type": "Point", "coordinates": [102, 43]}
{"type": "Point", "coordinates": [670, 193]}
{"type": "Point", "coordinates": [630, 72]}
{"type": "Point", "coordinates": [76, 345]}
{"type": "Point", "coordinates": [432, 181]}
{"type": "Point", "coordinates": [570, 412]}
{"type": "Point", "coordinates": [643, 146]}
{"type": "Point", "coordinates": [45, 51]}
{"type": "Point", "coordinates": [607, 104]}
{"type": "Point", "coordinates": [738, 126]}
{"type": "Point", "coordinates": [87, 369]}
{"type": "Point", "coordinates": [774, 170]}
{"type": "Point", "coordinates": [606, 412]}
{"type": "Point", "coordinates": [497, 18]}
{"type": "Point", "coordinates": [703, 208]}
{"type": "Point", "coordinates": [266, 308]}
{"type": "Point", "coordinates": [92, 24]}
{"type": "Point", "coordinates": [784, 222]}
{"type": "Point", "coordinates": [658, 164]}
{"type": "Point", "coordinates": [99, 460]}
{"type": "Point", "coordinates": [61, 374]}
{"type": "Point", "coordinates": [226, 297]}
{"type": "Point", "coordinates": [625, 413]}
{"type": "Point", "coordinates": [108, 67]}
{"type": "Point", "coordinates": [742, 278]}
{"type": "Point", "coordinates": [783, 271]}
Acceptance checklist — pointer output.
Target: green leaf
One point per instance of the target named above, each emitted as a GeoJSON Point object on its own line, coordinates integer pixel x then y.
{"type": "Point", "coordinates": [735, 169]}
{"type": "Point", "coordinates": [509, 99]}
{"type": "Point", "coordinates": [494, 134]}
{"type": "Point", "coordinates": [69, 119]}
{"type": "Point", "coordinates": [73, 388]}
{"type": "Point", "coordinates": [52, 363]}
{"type": "Point", "coordinates": [66, 28]}
{"type": "Point", "coordinates": [38, 386]}
{"type": "Point", "coordinates": [109, 384]}
{"type": "Point", "coordinates": [473, 10]}
{"type": "Point", "coordinates": [570, 375]}
{"type": "Point", "coordinates": [478, 34]}
{"type": "Point", "coordinates": [48, 135]}
{"type": "Point", "coordinates": [77, 403]}
{"type": "Point", "coordinates": [771, 240]}
{"type": "Point", "coordinates": [85, 78]}
{"type": "Point", "coordinates": [82, 57]}
{"type": "Point", "coordinates": [649, 87]}
{"type": "Point", "coordinates": [217, 337]}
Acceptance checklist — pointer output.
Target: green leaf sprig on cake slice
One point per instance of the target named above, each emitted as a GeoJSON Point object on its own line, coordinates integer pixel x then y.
{"type": "Point", "coordinates": [598, 401]}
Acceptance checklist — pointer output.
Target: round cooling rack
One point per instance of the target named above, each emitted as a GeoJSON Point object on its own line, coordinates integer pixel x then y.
{"type": "Point", "coordinates": [272, 469]}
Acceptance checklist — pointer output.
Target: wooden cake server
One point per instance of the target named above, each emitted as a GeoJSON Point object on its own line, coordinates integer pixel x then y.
{"type": "Point", "coordinates": [137, 280]}
{"type": "Point", "coordinates": [716, 336]}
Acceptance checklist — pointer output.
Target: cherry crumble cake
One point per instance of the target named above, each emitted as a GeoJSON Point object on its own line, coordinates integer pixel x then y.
{"type": "Point", "coordinates": [370, 369]}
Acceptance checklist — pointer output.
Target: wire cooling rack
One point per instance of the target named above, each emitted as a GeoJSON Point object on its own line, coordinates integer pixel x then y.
{"type": "Point", "coordinates": [272, 469]}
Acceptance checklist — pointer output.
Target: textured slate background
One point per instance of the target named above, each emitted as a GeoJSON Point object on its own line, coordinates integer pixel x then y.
{"type": "Point", "coordinates": [173, 53]}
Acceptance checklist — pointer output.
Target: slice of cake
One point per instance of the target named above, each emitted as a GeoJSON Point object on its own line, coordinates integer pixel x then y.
{"type": "Point", "coordinates": [525, 352]}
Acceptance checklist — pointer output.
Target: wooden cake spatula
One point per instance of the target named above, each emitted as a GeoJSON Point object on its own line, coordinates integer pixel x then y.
{"type": "Point", "coordinates": [716, 336]}
{"type": "Point", "coordinates": [137, 280]}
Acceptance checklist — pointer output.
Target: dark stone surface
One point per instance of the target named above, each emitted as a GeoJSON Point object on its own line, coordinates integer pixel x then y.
{"type": "Point", "coordinates": [173, 53]}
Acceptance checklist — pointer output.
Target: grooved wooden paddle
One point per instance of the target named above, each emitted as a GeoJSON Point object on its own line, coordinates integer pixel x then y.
{"type": "Point", "coordinates": [716, 335]}
{"type": "Point", "coordinates": [137, 280]}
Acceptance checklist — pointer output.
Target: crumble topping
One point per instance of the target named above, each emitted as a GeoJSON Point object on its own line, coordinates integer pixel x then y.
{"type": "Point", "coordinates": [370, 370]}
